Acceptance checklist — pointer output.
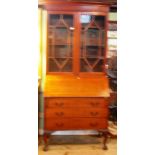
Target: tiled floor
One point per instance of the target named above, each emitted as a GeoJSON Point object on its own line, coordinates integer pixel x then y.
{"type": "Point", "coordinates": [79, 145]}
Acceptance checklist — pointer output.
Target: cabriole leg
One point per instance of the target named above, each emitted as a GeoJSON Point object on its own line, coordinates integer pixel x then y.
{"type": "Point", "coordinates": [46, 141]}
{"type": "Point", "coordinates": [105, 137]}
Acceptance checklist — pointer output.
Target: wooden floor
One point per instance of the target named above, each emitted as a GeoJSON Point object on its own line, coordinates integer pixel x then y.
{"type": "Point", "coordinates": [79, 145]}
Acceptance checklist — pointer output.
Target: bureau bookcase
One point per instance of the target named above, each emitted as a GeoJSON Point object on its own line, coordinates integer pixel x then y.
{"type": "Point", "coordinates": [76, 89]}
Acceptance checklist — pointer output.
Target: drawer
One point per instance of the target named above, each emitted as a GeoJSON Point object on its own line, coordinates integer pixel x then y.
{"type": "Point", "coordinates": [74, 112]}
{"type": "Point", "coordinates": [75, 123]}
{"type": "Point", "coordinates": [75, 102]}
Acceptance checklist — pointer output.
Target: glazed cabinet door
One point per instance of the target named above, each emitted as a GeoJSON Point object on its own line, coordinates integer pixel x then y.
{"type": "Point", "coordinates": [92, 43]}
{"type": "Point", "coordinates": [60, 43]}
{"type": "Point", "coordinates": [76, 43]}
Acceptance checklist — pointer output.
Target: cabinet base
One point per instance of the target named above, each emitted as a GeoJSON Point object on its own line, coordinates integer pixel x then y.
{"type": "Point", "coordinates": [48, 137]}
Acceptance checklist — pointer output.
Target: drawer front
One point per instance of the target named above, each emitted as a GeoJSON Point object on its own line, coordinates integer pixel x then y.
{"type": "Point", "coordinates": [76, 112]}
{"type": "Point", "coordinates": [75, 102]}
{"type": "Point", "coordinates": [75, 123]}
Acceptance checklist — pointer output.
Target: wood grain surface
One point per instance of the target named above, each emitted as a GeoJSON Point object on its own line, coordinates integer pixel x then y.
{"type": "Point", "coordinates": [72, 86]}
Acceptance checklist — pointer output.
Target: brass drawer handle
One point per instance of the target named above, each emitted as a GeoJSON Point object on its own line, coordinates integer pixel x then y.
{"type": "Point", "coordinates": [59, 104]}
{"type": "Point", "coordinates": [94, 104]}
{"type": "Point", "coordinates": [59, 124]}
{"type": "Point", "coordinates": [93, 124]}
{"type": "Point", "coordinates": [59, 113]}
{"type": "Point", "coordinates": [94, 113]}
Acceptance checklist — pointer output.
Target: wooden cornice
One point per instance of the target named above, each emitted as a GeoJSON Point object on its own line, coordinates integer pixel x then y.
{"type": "Point", "coordinates": [99, 2]}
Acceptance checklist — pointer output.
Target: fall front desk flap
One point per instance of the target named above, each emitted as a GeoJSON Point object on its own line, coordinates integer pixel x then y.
{"type": "Point", "coordinates": [72, 86]}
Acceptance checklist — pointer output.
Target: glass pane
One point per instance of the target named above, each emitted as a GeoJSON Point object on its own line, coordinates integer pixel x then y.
{"type": "Point", "coordinates": [91, 65]}
{"type": "Point", "coordinates": [52, 66]}
{"type": "Point", "coordinates": [92, 43]}
{"type": "Point", "coordinates": [92, 52]}
{"type": "Point", "coordinates": [99, 66]}
{"type": "Point", "coordinates": [102, 51]}
{"type": "Point", "coordinates": [60, 35]}
{"type": "Point", "coordinates": [68, 19]}
{"type": "Point", "coordinates": [53, 19]}
{"type": "Point", "coordinates": [68, 66]}
{"type": "Point", "coordinates": [50, 51]}
{"type": "Point", "coordinates": [92, 36]}
{"type": "Point", "coordinates": [60, 43]}
{"type": "Point", "coordinates": [62, 51]}
{"type": "Point", "coordinates": [60, 65]}
{"type": "Point", "coordinates": [102, 38]}
{"type": "Point", "coordinates": [100, 20]}
{"type": "Point", "coordinates": [84, 66]}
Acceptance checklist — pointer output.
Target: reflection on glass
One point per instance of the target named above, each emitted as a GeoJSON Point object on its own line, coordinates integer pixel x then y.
{"type": "Point", "coordinates": [85, 19]}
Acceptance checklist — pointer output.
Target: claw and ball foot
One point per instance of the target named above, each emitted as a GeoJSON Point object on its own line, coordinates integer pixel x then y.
{"type": "Point", "coordinates": [105, 137]}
